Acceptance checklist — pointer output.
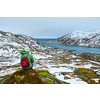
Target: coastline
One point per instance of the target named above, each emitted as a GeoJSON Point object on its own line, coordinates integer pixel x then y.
{"type": "Point", "coordinates": [69, 45]}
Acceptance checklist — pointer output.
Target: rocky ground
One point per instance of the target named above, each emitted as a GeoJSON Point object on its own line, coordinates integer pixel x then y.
{"type": "Point", "coordinates": [63, 67]}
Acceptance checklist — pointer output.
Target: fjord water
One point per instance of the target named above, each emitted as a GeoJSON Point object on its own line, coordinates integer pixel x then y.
{"type": "Point", "coordinates": [76, 48]}
{"type": "Point", "coordinates": [42, 40]}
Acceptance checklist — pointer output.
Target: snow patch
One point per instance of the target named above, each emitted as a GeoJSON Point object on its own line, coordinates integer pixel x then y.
{"type": "Point", "coordinates": [71, 81]}
{"type": "Point", "coordinates": [73, 56]}
{"type": "Point", "coordinates": [7, 71]}
{"type": "Point", "coordinates": [96, 80]}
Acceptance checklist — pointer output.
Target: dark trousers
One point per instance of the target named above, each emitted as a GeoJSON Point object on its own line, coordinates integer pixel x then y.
{"type": "Point", "coordinates": [28, 69]}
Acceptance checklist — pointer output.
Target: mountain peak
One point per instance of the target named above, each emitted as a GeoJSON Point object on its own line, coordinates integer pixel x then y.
{"type": "Point", "coordinates": [80, 38]}
{"type": "Point", "coordinates": [5, 33]}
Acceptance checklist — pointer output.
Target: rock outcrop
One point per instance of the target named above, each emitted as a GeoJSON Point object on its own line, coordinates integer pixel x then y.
{"type": "Point", "coordinates": [87, 75]}
{"type": "Point", "coordinates": [24, 77]}
{"type": "Point", "coordinates": [90, 56]}
{"type": "Point", "coordinates": [32, 77]}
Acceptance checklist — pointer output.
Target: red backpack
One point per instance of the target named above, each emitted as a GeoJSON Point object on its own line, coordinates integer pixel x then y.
{"type": "Point", "coordinates": [24, 62]}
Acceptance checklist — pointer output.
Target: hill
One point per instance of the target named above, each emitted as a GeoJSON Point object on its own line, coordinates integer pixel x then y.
{"type": "Point", "coordinates": [79, 38]}
{"type": "Point", "coordinates": [11, 44]}
{"type": "Point", "coordinates": [32, 77]}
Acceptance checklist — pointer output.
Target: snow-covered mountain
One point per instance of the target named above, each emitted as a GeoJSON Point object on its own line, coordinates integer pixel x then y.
{"type": "Point", "coordinates": [79, 38]}
{"type": "Point", "coordinates": [11, 45]}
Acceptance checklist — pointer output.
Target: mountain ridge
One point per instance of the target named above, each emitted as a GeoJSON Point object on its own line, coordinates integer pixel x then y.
{"type": "Point", "coordinates": [79, 38]}
{"type": "Point", "coordinates": [11, 45]}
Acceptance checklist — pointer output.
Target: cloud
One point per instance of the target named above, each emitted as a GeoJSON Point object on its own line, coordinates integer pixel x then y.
{"type": "Point", "coordinates": [48, 26]}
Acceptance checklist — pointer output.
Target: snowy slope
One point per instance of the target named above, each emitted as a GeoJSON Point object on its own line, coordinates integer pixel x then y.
{"type": "Point", "coordinates": [12, 44]}
{"type": "Point", "coordinates": [79, 38]}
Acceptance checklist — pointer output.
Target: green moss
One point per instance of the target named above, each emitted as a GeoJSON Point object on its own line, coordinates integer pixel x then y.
{"type": "Point", "coordinates": [32, 77]}
{"type": "Point", "coordinates": [63, 82]}
{"type": "Point", "coordinates": [66, 77]}
{"type": "Point", "coordinates": [45, 74]}
{"type": "Point", "coordinates": [86, 74]}
{"type": "Point", "coordinates": [50, 82]}
{"type": "Point", "coordinates": [90, 56]}
{"type": "Point", "coordinates": [16, 78]}
{"type": "Point", "coordinates": [92, 82]}
{"type": "Point", "coordinates": [24, 77]}
{"type": "Point", "coordinates": [63, 73]}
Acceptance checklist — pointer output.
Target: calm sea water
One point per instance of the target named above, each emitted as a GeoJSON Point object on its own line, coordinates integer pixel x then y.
{"type": "Point", "coordinates": [76, 48]}
{"type": "Point", "coordinates": [42, 40]}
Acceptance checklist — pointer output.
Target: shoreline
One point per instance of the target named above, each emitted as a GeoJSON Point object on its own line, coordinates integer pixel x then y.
{"type": "Point", "coordinates": [71, 51]}
{"type": "Point", "coordinates": [69, 45]}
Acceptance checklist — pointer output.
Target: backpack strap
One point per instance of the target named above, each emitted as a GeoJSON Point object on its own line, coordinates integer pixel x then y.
{"type": "Point", "coordinates": [26, 56]}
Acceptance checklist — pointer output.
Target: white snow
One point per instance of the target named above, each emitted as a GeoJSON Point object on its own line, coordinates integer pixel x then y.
{"type": "Point", "coordinates": [13, 62]}
{"type": "Point", "coordinates": [60, 69]}
{"type": "Point", "coordinates": [78, 60]}
{"type": "Point", "coordinates": [83, 38]}
{"type": "Point", "coordinates": [95, 79]}
{"type": "Point", "coordinates": [61, 77]}
{"type": "Point", "coordinates": [88, 66]}
{"type": "Point", "coordinates": [75, 81]}
{"type": "Point", "coordinates": [79, 34]}
{"type": "Point", "coordinates": [98, 72]}
{"type": "Point", "coordinates": [7, 71]}
{"type": "Point", "coordinates": [37, 56]}
{"type": "Point", "coordinates": [94, 62]}
{"type": "Point", "coordinates": [1, 51]}
{"type": "Point", "coordinates": [73, 56]}
{"type": "Point", "coordinates": [71, 81]}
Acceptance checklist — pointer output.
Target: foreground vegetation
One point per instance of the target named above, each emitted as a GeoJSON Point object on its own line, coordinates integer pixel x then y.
{"type": "Point", "coordinates": [87, 75]}
{"type": "Point", "coordinates": [32, 77]}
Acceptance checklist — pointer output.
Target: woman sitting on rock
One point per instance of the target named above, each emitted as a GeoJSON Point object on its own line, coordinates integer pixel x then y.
{"type": "Point", "coordinates": [27, 59]}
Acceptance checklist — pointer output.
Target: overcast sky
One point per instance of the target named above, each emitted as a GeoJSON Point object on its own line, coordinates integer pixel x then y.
{"type": "Point", "coordinates": [40, 27]}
